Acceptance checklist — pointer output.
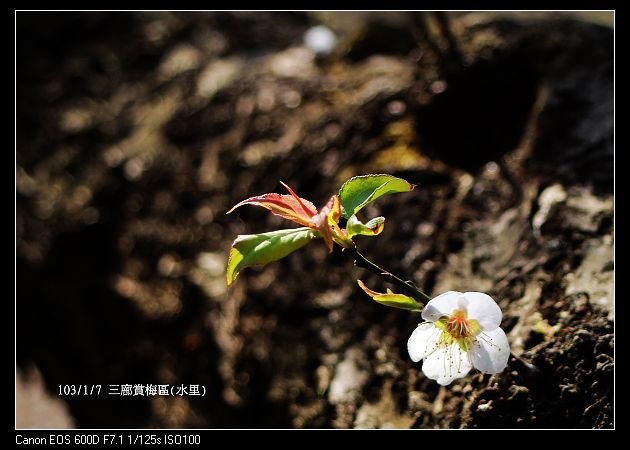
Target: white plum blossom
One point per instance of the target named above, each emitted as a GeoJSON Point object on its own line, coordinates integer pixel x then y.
{"type": "Point", "coordinates": [461, 331]}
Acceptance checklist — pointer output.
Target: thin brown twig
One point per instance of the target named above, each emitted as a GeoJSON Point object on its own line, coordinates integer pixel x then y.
{"type": "Point", "coordinates": [406, 286]}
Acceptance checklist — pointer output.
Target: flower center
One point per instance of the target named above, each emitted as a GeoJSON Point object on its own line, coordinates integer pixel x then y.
{"type": "Point", "coordinates": [457, 325]}
{"type": "Point", "coordinates": [458, 328]}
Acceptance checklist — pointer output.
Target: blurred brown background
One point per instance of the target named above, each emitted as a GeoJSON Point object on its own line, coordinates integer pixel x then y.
{"type": "Point", "coordinates": [137, 131]}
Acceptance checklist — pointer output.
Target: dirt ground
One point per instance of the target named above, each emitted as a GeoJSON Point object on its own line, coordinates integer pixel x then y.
{"type": "Point", "coordinates": [136, 132]}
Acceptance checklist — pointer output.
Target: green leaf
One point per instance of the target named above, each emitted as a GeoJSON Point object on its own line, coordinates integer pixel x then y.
{"type": "Point", "coordinates": [390, 299]}
{"type": "Point", "coordinates": [260, 249]}
{"type": "Point", "coordinates": [372, 228]}
{"type": "Point", "coordinates": [359, 191]}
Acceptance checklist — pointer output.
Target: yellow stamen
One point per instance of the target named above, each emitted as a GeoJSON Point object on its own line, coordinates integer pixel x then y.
{"type": "Point", "coordinates": [458, 328]}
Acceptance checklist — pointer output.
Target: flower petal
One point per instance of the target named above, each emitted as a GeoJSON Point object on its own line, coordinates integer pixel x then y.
{"type": "Point", "coordinates": [446, 364]}
{"type": "Point", "coordinates": [423, 341]}
{"type": "Point", "coordinates": [442, 305]}
{"type": "Point", "coordinates": [490, 351]}
{"type": "Point", "coordinates": [482, 308]}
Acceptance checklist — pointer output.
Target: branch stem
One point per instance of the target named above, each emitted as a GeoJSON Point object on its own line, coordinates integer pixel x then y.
{"type": "Point", "coordinates": [406, 286]}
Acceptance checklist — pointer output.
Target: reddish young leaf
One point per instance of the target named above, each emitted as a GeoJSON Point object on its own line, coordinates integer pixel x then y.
{"type": "Point", "coordinates": [306, 206]}
{"type": "Point", "coordinates": [289, 207]}
{"type": "Point", "coordinates": [326, 221]}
